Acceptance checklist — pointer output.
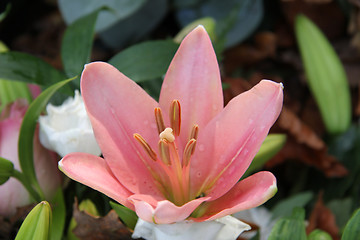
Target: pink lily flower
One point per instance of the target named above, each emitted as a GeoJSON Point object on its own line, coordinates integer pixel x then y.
{"type": "Point", "coordinates": [12, 193]}
{"type": "Point", "coordinates": [182, 157]}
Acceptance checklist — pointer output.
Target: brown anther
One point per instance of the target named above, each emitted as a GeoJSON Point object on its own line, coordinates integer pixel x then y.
{"type": "Point", "coordinates": [159, 120]}
{"type": "Point", "coordinates": [146, 146]}
{"type": "Point", "coordinates": [164, 152]}
{"type": "Point", "coordinates": [175, 117]}
{"type": "Point", "coordinates": [194, 134]}
{"type": "Point", "coordinates": [188, 151]}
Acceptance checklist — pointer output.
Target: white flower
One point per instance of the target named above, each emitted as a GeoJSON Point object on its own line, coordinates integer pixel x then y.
{"type": "Point", "coordinates": [67, 128]}
{"type": "Point", "coordinates": [226, 228]}
{"type": "Point", "coordinates": [259, 216]}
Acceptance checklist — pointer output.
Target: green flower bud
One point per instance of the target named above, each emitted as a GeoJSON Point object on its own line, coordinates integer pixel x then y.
{"type": "Point", "coordinates": [318, 234]}
{"type": "Point", "coordinates": [326, 76]}
{"type": "Point", "coordinates": [271, 145]}
{"type": "Point", "coordinates": [37, 223]}
{"type": "Point", "coordinates": [207, 22]}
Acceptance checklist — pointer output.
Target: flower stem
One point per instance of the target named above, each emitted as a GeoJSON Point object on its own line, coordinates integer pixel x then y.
{"type": "Point", "coordinates": [21, 177]}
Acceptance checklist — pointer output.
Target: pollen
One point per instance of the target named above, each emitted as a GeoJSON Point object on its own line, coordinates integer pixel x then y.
{"type": "Point", "coordinates": [167, 134]}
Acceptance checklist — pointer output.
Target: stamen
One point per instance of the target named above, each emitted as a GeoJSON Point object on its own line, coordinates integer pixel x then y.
{"type": "Point", "coordinates": [159, 120]}
{"type": "Point", "coordinates": [175, 117]}
{"type": "Point", "coordinates": [164, 152]}
{"type": "Point", "coordinates": [146, 146]}
{"type": "Point", "coordinates": [167, 134]}
{"type": "Point", "coordinates": [188, 152]}
{"type": "Point", "coordinates": [194, 134]}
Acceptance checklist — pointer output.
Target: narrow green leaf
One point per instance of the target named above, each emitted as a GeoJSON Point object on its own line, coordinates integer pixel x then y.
{"type": "Point", "coordinates": [290, 228]}
{"type": "Point", "coordinates": [17, 66]}
{"type": "Point", "coordinates": [59, 215]}
{"type": "Point", "coordinates": [6, 170]}
{"type": "Point", "coordinates": [27, 130]}
{"type": "Point", "coordinates": [352, 228]}
{"type": "Point", "coordinates": [126, 215]}
{"type": "Point", "coordinates": [77, 44]}
{"type": "Point", "coordinates": [325, 74]}
{"type": "Point", "coordinates": [145, 61]}
{"type": "Point", "coordinates": [36, 224]}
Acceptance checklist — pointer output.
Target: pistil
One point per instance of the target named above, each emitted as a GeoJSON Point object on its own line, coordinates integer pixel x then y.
{"type": "Point", "coordinates": [176, 169]}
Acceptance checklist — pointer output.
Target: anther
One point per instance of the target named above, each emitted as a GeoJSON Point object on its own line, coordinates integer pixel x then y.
{"type": "Point", "coordinates": [188, 152]}
{"type": "Point", "coordinates": [164, 152]}
{"type": "Point", "coordinates": [159, 120]}
{"type": "Point", "coordinates": [167, 134]}
{"type": "Point", "coordinates": [146, 146]}
{"type": "Point", "coordinates": [194, 134]}
{"type": "Point", "coordinates": [175, 117]}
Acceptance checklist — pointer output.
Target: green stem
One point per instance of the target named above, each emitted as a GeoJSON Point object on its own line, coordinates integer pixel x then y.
{"type": "Point", "coordinates": [21, 177]}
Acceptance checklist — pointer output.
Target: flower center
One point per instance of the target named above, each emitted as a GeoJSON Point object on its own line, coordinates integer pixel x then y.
{"type": "Point", "coordinates": [173, 170]}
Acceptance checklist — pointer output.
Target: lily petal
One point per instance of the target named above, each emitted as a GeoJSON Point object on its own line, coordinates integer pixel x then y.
{"type": "Point", "coordinates": [193, 78]}
{"type": "Point", "coordinates": [94, 172]}
{"type": "Point", "coordinates": [163, 212]}
{"type": "Point", "coordinates": [231, 140]}
{"type": "Point", "coordinates": [118, 108]}
{"type": "Point", "coordinates": [248, 193]}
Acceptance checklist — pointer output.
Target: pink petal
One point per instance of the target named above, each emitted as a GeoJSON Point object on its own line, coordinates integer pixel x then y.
{"type": "Point", "coordinates": [46, 168]}
{"type": "Point", "coordinates": [118, 108]}
{"type": "Point", "coordinates": [229, 142]}
{"type": "Point", "coordinates": [163, 212]}
{"type": "Point", "coordinates": [248, 193]}
{"type": "Point", "coordinates": [95, 173]}
{"type": "Point", "coordinates": [193, 78]}
{"type": "Point", "coordinates": [12, 193]}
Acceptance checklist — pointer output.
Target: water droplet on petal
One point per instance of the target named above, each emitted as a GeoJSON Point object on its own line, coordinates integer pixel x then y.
{"type": "Point", "coordinates": [201, 147]}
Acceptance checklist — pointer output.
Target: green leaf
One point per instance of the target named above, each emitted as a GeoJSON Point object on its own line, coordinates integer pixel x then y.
{"type": "Point", "coordinates": [27, 130]}
{"type": "Point", "coordinates": [271, 145]}
{"type": "Point", "coordinates": [145, 61]}
{"type": "Point", "coordinates": [73, 10]}
{"type": "Point", "coordinates": [11, 90]}
{"type": "Point", "coordinates": [17, 66]}
{"type": "Point", "coordinates": [126, 215]}
{"type": "Point", "coordinates": [6, 170]}
{"type": "Point", "coordinates": [77, 44]}
{"type": "Point", "coordinates": [290, 228]}
{"type": "Point", "coordinates": [36, 224]}
{"type": "Point", "coordinates": [235, 20]}
{"type": "Point", "coordinates": [352, 228]}
{"type": "Point", "coordinates": [285, 207]}
{"type": "Point", "coordinates": [325, 74]}
{"type": "Point", "coordinates": [59, 215]}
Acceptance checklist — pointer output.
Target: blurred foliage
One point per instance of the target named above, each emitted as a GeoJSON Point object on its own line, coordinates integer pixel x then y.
{"type": "Point", "coordinates": [140, 37]}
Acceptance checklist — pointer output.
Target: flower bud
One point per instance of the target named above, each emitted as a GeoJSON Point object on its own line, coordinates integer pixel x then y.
{"type": "Point", "coordinates": [37, 223]}
{"type": "Point", "coordinates": [12, 193]}
{"type": "Point", "coordinates": [319, 235]}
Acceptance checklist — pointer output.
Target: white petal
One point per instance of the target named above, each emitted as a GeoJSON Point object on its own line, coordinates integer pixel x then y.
{"type": "Point", "coordinates": [226, 228]}
{"type": "Point", "coordinates": [261, 217]}
{"type": "Point", "coordinates": [67, 128]}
